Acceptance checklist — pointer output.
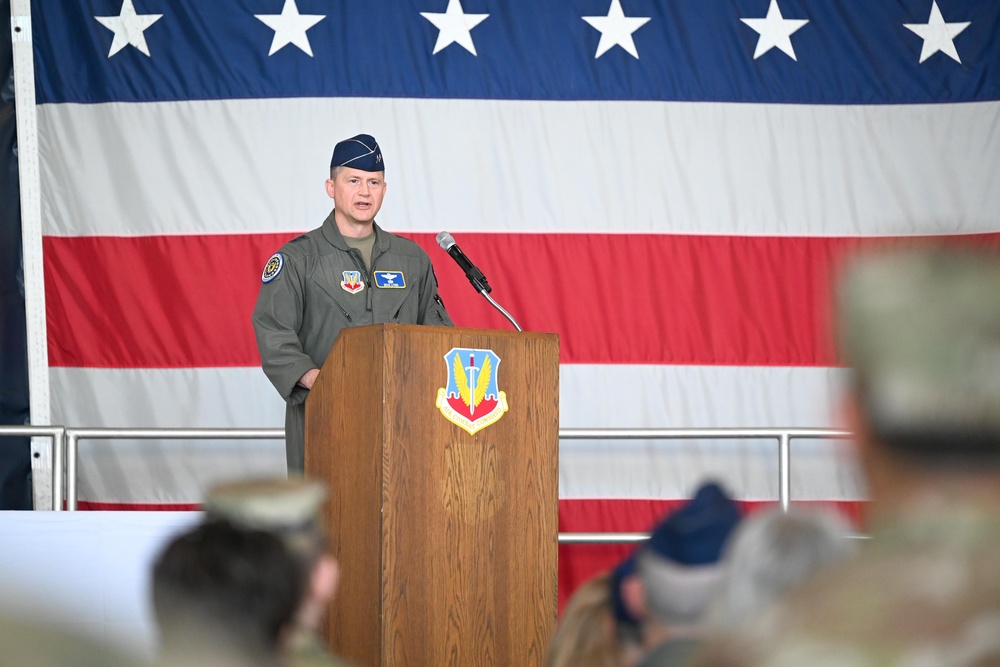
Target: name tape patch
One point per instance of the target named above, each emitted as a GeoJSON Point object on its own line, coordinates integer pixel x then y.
{"type": "Point", "coordinates": [390, 279]}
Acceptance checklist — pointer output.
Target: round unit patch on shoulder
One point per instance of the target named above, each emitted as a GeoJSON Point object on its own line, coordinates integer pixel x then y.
{"type": "Point", "coordinates": [273, 267]}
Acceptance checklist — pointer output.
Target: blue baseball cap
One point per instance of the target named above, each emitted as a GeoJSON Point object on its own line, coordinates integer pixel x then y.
{"type": "Point", "coordinates": [696, 533]}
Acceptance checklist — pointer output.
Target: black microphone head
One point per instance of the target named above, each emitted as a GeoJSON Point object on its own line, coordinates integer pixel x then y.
{"type": "Point", "coordinates": [445, 240]}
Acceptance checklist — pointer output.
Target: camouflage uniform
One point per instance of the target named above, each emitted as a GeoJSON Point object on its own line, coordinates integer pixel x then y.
{"type": "Point", "coordinates": [308, 651]}
{"type": "Point", "coordinates": [925, 591]}
{"type": "Point", "coordinates": [921, 330]}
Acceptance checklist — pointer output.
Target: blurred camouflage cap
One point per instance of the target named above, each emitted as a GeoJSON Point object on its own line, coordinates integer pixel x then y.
{"type": "Point", "coordinates": [921, 328]}
{"type": "Point", "coordinates": [289, 508]}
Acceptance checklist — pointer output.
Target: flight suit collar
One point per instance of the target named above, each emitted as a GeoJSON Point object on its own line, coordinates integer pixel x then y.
{"type": "Point", "coordinates": [332, 234]}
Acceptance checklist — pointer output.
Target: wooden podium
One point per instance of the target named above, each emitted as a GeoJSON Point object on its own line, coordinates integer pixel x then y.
{"type": "Point", "coordinates": [447, 540]}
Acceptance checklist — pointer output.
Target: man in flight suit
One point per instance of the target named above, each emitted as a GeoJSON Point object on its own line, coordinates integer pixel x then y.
{"type": "Point", "coordinates": [347, 273]}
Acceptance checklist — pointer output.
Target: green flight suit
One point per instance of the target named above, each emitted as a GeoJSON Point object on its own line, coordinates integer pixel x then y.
{"type": "Point", "coordinates": [323, 286]}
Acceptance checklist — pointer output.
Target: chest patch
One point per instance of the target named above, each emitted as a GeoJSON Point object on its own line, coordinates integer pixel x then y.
{"type": "Point", "coordinates": [273, 267]}
{"type": "Point", "coordinates": [352, 282]}
{"type": "Point", "coordinates": [390, 279]}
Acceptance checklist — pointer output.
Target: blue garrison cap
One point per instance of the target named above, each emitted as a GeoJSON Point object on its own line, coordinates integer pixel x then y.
{"type": "Point", "coordinates": [696, 533]}
{"type": "Point", "coordinates": [359, 152]}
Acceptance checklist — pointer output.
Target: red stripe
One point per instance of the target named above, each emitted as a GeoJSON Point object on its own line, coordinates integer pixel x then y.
{"type": "Point", "coordinates": [185, 301]}
{"type": "Point", "coordinates": [94, 506]}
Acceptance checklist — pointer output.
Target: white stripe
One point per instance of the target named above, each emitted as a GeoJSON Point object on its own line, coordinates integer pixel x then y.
{"type": "Point", "coordinates": [165, 398]}
{"type": "Point", "coordinates": [167, 471]}
{"type": "Point", "coordinates": [591, 396]}
{"type": "Point", "coordinates": [701, 397]}
{"type": "Point", "coordinates": [820, 469]}
{"type": "Point", "coordinates": [625, 396]}
{"type": "Point", "coordinates": [530, 166]}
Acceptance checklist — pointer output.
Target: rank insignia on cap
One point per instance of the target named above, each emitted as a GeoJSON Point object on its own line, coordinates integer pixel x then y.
{"type": "Point", "coordinates": [273, 267]}
{"type": "Point", "coordinates": [352, 283]}
{"type": "Point", "coordinates": [390, 279]}
{"type": "Point", "coordinates": [471, 400]}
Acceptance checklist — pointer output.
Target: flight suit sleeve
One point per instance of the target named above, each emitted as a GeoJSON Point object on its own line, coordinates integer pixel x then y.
{"type": "Point", "coordinates": [432, 310]}
{"type": "Point", "coordinates": [277, 318]}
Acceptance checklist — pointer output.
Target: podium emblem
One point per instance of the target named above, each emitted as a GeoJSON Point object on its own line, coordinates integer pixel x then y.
{"type": "Point", "coordinates": [471, 400]}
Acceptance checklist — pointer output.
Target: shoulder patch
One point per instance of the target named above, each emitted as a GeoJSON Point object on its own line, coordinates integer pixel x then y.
{"type": "Point", "coordinates": [273, 267]}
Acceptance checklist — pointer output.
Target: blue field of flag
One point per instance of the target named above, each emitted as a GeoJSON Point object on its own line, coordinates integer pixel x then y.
{"type": "Point", "coordinates": [754, 51]}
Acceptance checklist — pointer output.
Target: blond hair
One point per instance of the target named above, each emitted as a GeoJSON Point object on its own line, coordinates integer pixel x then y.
{"type": "Point", "coordinates": [584, 636]}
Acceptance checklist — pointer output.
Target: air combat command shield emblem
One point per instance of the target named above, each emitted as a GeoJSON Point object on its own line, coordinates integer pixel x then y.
{"type": "Point", "coordinates": [352, 283]}
{"type": "Point", "coordinates": [471, 400]}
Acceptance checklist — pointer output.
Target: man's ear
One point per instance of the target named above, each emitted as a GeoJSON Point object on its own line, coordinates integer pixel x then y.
{"type": "Point", "coordinates": [329, 188]}
{"type": "Point", "coordinates": [324, 579]}
{"type": "Point", "coordinates": [634, 596]}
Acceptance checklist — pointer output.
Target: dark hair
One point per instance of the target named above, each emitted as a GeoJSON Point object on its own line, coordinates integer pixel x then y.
{"type": "Point", "coordinates": [233, 588]}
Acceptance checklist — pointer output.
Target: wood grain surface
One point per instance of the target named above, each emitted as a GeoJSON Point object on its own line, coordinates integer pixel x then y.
{"type": "Point", "coordinates": [448, 541]}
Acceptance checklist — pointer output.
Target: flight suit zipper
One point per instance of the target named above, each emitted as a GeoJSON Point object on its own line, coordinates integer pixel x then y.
{"type": "Point", "coordinates": [374, 258]}
{"type": "Point", "coordinates": [360, 262]}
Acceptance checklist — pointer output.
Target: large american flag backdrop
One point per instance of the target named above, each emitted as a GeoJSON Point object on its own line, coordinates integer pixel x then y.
{"type": "Point", "coordinates": [669, 185]}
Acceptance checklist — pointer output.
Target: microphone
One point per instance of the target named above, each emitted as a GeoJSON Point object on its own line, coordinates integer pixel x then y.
{"type": "Point", "coordinates": [475, 276]}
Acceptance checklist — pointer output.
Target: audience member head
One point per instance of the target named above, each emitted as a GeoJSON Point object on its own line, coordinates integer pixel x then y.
{"type": "Point", "coordinates": [290, 510]}
{"type": "Point", "coordinates": [286, 507]}
{"type": "Point", "coordinates": [679, 564]}
{"type": "Point", "coordinates": [770, 553]}
{"type": "Point", "coordinates": [585, 634]}
{"type": "Point", "coordinates": [625, 589]}
{"type": "Point", "coordinates": [225, 595]}
{"type": "Point", "coordinates": [921, 330]}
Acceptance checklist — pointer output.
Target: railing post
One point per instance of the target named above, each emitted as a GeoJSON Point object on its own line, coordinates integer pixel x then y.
{"type": "Point", "coordinates": [72, 441]}
{"type": "Point", "coordinates": [58, 471]}
{"type": "Point", "coordinates": [784, 470]}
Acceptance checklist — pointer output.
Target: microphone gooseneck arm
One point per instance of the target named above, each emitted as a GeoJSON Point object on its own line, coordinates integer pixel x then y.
{"type": "Point", "coordinates": [475, 276]}
{"type": "Point", "coordinates": [502, 310]}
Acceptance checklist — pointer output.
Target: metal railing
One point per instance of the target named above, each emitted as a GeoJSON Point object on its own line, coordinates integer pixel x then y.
{"type": "Point", "coordinates": [74, 435]}
{"type": "Point", "coordinates": [67, 440]}
{"type": "Point", "coordinates": [784, 436]}
{"type": "Point", "coordinates": [57, 435]}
